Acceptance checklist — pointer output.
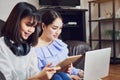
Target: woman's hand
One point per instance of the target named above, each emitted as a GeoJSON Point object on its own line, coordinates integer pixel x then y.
{"type": "Point", "coordinates": [75, 77]}
{"type": "Point", "coordinates": [46, 73]}
{"type": "Point", "coordinates": [81, 74]}
{"type": "Point", "coordinates": [67, 69]}
{"type": "Point", "coordinates": [50, 70]}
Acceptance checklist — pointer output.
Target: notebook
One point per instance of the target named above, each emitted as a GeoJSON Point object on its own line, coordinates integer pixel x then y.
{"type": "Point", "coordinates": [97, 64]}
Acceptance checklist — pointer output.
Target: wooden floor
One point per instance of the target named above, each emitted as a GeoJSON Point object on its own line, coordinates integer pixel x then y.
{"type": "Point", "coordinates": [114, 73]}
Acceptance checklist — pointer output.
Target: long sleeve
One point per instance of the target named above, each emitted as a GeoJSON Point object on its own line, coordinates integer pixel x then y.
{"type": "Point", "coordinates": [17, 67]}
{"type": "Point", "coordinates": [33, 65]}
{"type": "Point", "coordinates": [6, 67]}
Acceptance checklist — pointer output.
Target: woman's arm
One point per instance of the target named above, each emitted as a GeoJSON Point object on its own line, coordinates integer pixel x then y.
{"type": "Point", "coordinates": [46, 73]}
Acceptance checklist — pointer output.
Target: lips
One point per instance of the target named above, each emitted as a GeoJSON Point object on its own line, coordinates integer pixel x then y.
{"type": "Point", "coordinates": [55, 36]}
{"type": "Point", "coordinates": [27, 34]}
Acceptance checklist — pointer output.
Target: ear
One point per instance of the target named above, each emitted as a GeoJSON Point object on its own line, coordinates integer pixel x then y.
{"type": "Point", "coordinates": [43, 26]}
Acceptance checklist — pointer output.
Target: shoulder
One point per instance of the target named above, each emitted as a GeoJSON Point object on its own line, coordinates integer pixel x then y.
{"type": "Point", "coordinates": [1, 39]}
{"type": "Point", "coordinates": [2, 43]}
{"type": "Point", "coordinates": [60, 42]}
{"type": "Point", "coordinates": [57, 46]}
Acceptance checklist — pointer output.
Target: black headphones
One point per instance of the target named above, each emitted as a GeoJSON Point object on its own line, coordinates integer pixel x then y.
{"type": "Point", "coordinates": [17, 49]}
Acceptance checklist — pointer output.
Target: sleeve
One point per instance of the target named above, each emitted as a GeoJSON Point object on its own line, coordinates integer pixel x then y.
{"type": "Point", "coordinates": [75, 71]}
{"type": "Point", "coordinates": [40, 64]}
{"type": "Point", "coordinates": [33, 68]}
{"type": "Point", "coordinates": [6, 67]}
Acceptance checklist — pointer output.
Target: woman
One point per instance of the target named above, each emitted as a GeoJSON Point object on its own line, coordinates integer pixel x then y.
{"type": "Point", "coordinates": [50, 49]}
{"type": "Point", "coordinates": [18, 60]}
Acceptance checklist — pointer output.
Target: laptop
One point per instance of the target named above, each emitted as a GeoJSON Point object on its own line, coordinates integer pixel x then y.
{"type": "Point", "coordinates": [97, 64]}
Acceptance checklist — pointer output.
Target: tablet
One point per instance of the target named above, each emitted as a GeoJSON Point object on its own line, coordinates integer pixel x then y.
{"type": "Point", "coordinates": [69, 60]}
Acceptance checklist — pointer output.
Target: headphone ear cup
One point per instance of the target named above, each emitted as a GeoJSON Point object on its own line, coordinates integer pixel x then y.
{"type": "Point", "coordinates": [18, 49]}
{"type": "Point", "coordinates": [26, 48]}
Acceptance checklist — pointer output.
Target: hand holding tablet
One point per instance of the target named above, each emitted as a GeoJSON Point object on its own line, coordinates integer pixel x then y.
{"type": "Point", "coordinates": [68, 61]}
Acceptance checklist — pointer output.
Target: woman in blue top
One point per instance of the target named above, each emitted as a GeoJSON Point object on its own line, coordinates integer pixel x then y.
{"type": "Point", "coordinates": [50, 49]}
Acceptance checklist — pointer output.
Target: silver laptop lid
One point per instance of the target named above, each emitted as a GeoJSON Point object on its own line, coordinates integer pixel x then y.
{"type": "Point", "coordinates": [97, 64]}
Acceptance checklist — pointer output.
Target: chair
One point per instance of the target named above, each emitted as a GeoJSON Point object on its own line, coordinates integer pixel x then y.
{"type": "Point", "coordinates": [75, 48]}
{"type": "Point", "coordinates": [2, 77]}
{"type": "Point", "coordinates": [1, 25]}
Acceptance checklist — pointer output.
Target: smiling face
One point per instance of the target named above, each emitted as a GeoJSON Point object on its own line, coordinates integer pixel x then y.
{"type": "Point", "coordinates": [52, 31]}
{"type": "Point", "coordinates": [26, 27]}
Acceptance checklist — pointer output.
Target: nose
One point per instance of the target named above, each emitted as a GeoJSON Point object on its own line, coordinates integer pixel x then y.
{"type": "Point", "coordinates": [58, 31]}
{"type": "Point", "coordinates": [31, 29]}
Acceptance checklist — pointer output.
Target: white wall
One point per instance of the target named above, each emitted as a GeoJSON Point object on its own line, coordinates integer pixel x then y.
{"type": "Point", "coordinates": [7, 5]}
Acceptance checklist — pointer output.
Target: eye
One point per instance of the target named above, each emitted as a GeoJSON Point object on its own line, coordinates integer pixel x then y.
{"type": "Point", "coordinates": [28, 24]}
{"type": "Point", "coordinates": [54, 27]}
{"type": "Point", "coordinates": [31, 24]}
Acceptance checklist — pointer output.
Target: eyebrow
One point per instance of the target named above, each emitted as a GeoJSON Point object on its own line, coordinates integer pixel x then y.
{"type": "Point", "coordinates": [56, 26]}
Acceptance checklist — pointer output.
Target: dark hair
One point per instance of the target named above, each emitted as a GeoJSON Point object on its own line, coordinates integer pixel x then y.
{"type": "Point", "coordinates": [11, 28]}
{"type": "Point", "coordinates": [48, 16]}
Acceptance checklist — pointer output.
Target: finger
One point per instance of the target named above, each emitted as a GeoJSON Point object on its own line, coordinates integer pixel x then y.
{"type": "Point", "coordinates": [50, 69]}
{"type": "Point", "coordinates": [53, 68]}
{"type": "Point", "coordinates": [51, 72]}
{"type": "Point", "coordinates": [57, 68]}
{"type": "Point", "coordinates": [48, 65]}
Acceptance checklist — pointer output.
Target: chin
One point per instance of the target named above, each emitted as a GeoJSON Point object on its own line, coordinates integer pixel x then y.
{"type": "Point", "coordinates": [55, 38]}
{"type": "Point", "coordinates": [25, 38]}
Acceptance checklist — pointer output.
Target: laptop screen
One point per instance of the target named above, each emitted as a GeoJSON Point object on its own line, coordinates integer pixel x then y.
{"type": "Point", "coordinates": [97, 64]}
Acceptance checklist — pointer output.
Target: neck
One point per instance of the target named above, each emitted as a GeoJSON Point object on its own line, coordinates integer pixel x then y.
{"type": "Point", "coordinates": [43, 41]}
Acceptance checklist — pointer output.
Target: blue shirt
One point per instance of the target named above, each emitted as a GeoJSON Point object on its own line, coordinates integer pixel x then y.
{"type": "Point", "coordinates": [55, 52]}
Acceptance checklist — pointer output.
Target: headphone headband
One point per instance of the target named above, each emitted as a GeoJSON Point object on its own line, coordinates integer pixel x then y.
{"type": "Point", "coordinates": [17, 49]}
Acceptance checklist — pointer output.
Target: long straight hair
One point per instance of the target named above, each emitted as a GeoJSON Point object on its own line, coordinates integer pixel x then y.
{"type": "Point", "coordinates": [11, 28]}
